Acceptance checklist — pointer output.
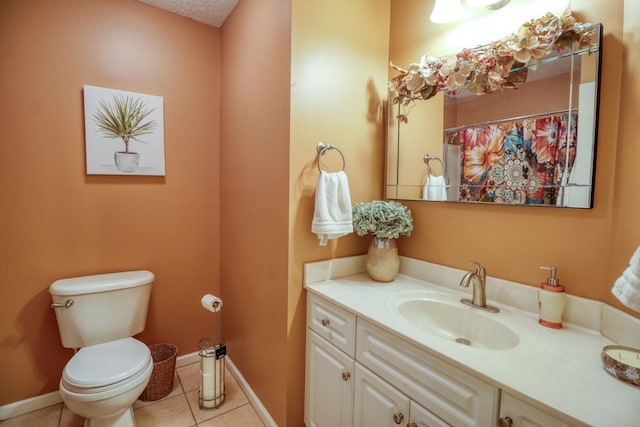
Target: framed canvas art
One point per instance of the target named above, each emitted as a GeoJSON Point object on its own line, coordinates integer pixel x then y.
{"type": "Point", "coordinates": [124, 132]}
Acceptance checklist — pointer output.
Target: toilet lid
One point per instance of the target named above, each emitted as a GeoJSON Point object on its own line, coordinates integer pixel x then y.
{"type": "Point", "coordinates": [108, 363]}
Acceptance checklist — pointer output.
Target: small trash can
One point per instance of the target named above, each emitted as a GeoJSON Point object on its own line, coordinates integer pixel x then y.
{"type": "Point", "coordinates": [164, 366]}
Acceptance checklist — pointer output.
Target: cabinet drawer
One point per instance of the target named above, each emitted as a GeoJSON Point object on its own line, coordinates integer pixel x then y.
{"type": "Point", "coordinates": [454, 396]}
{"type": "Point", "coordinates": [335, 324]}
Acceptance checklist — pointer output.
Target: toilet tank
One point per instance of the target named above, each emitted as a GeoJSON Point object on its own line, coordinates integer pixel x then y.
{"type": "Point", "coordinates": [104, 307]}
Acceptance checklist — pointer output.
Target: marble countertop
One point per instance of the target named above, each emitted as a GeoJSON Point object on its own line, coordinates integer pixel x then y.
{"type": "Point", "coordinates": [560, 369]}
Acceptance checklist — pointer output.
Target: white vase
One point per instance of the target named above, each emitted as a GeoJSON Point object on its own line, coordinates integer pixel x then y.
{"type": "Point", "coordinates": [126, 162]}
{"type": "Point", "coordinates": [383, 262]}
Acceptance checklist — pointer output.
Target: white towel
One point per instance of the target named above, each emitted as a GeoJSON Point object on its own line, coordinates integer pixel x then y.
{"type": "Point", "coordinates": [634, 263]}
{"type": "Point", "coordinates": [627, 287]}
{"type": "Point", "coordinates": [332, 217]}
{"type": "Point", "coordinates": [435, 188]}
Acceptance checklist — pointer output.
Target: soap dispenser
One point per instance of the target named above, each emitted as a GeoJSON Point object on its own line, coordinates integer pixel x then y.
{"type": "Point", "coordinates": [551, 300]}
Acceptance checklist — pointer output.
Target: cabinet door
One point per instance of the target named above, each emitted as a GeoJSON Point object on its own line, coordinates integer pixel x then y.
{"type": "Point", "coordinates": [378, 404]}
{"type": "Point", "coordinates": [329, 385]}
{"type": "Point", "coordinates": [523, 414]}
{"type": "Point", "coordinates": [420, 417]}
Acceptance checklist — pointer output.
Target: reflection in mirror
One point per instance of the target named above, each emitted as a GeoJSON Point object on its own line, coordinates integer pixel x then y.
{"type": "Point", "coordinates": [532, 145]}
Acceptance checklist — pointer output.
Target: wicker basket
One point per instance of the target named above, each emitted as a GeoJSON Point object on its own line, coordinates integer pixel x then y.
{"type": "Point", "coordinates": [164, 365]}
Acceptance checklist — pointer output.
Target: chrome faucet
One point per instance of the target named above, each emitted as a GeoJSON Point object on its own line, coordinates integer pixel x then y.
{"type": "Point", "coordinates": [479, 281]}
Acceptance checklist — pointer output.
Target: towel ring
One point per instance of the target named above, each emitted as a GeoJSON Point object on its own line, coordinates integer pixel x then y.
{"type": "Point", "coordinates": [322, 148]}
{"type": "Point", "coordinates": [428, 158]}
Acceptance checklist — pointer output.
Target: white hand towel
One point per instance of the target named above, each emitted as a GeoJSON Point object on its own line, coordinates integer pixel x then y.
{"type": "Point", "coordinates": [332, 217]}
{"type": "Point", "coordinates": [634, 263]}
{"type": "Point", "coordinates": [627, 287]}
{"type": "Point", "coordinates": [435, 188]}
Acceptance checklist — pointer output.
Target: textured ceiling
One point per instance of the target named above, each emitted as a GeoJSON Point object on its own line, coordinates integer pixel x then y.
{"type": "Point", "coordinates": [211, 12]}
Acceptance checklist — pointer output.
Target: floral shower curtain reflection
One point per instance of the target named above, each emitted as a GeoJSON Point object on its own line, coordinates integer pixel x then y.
{"type": "Point", "coordinates": [524, 161]}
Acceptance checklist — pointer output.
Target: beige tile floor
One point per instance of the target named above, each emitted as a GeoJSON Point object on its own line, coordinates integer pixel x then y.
{"type": "Point", "coordinates": [178, 409]}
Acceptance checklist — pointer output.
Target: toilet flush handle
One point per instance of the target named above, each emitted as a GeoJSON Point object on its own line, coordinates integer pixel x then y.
{"type": "Point", "coordinates": [68, 303]}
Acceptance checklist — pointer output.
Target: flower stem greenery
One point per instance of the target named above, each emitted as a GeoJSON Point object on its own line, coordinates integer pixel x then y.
{"type": "Point", "coordinates": [385, 220]}
{"type": "Point", "coordinates": [124, 119]}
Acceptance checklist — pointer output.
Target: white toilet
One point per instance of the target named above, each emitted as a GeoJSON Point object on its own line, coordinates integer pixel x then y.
{"type": "Point", "coordinates": [99, 315]}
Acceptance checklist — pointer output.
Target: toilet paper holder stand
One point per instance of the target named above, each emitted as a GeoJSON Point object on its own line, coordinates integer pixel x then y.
{"type": "Point", "coordinates": [212, 351]}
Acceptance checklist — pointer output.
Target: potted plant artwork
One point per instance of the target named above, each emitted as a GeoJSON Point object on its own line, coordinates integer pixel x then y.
{"type": "Point", "coordinates": [386, 221]}
{"type": "Point", "coordinates": [125, 117]}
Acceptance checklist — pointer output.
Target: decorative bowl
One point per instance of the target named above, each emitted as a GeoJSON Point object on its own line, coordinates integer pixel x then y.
{"type": "Point", "coordinates": [622, 362]}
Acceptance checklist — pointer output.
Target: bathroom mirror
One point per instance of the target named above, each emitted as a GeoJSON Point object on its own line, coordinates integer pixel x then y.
{"type": "Point", "coordinates": [532, 145]}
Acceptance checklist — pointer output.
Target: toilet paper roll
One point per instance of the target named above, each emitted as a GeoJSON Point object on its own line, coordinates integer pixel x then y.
{"type": "Point", "coordinates": [211, 303]}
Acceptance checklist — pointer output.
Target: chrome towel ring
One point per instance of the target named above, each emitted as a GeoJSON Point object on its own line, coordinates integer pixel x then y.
{"type": "Point", "coordinates": [322, 148]}
{"type": "Point", "coordinates": [428, 158]}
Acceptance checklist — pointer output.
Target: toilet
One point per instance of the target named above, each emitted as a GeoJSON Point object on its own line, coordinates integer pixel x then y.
{"type": "Point", "coordinates": [98, 317]}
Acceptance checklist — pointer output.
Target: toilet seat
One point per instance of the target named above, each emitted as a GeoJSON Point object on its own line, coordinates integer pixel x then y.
{"type": "Point", "coordinates": [102, 367]}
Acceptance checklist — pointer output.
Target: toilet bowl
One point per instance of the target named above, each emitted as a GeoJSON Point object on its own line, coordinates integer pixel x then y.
{"type": "Point", "coordinates": [102, 382]}
{"type": "Point", "coordinates": [99, 315]}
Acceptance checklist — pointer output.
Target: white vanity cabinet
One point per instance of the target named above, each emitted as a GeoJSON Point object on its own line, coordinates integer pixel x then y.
{"type": "Point", "coordinates": [359, 374]}
{"type": "Point", "coordinates": [329, 375]}
{"type": "Point", "coordinates": [398, 360]}
{"type": "Point", "coordinates": [516, 413]}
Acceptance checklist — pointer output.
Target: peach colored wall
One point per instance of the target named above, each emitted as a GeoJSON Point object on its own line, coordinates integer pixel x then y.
{"type": "Point", "coordinates": [338, 86]}
{"type": "Point", "coordinates": [254, 170]}
{"type": "Point", "coordinates": [58, 222]}
{"type": "Point", "coordinates": [625, 233]}
{"type": "Point", "coordinates": [337, 81]}
{"type": "Point", "coordinates": [589, 247]}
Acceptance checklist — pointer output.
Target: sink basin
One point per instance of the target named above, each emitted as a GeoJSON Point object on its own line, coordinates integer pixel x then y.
{"type": "Point", "coordinates": [458, 323]}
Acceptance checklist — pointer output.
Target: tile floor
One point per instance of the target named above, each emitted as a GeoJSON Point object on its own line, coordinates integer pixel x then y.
{"type": "Point", "coordinates": [179, 409]}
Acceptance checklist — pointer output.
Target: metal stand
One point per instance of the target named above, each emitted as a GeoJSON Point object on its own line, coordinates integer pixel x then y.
{"type": "Point", "coordinates": [212, 351]}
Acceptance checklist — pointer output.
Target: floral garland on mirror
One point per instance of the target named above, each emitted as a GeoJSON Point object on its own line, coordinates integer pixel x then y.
{"type": "Point", "coordinates": [491, 67]}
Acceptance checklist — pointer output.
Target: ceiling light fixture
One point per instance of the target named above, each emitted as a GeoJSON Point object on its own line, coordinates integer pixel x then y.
{"type": "Point", "coordinates": [489, 4]}
{"type": "Point", "coordinates": [497, 4]}
{"type": "Point", "coordinates": [446, 11]}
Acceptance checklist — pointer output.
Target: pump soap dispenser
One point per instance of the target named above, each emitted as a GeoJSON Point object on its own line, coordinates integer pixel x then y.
{"type": "Point", "coordinates": [551, 300]}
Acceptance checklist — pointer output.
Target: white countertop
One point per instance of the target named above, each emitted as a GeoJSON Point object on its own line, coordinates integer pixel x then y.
{"type": "Point", "coordinates": [558, 368]}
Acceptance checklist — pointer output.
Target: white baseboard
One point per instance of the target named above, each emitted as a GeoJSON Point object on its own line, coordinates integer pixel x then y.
{"type": "Point", "coordinates": [31, 404]}
{"type": "Point", "coordinates": [253, 398]}
{"type": "Point", "coordinates": [187, 359]}
{"type": "Point", "coordinates": [39, 402]}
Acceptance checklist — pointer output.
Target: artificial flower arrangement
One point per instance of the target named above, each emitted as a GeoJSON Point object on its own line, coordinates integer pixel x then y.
{"type": "Point", "coordinates": [488, 68]}
{"type": "Point", "coordinates": [385, 220]}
